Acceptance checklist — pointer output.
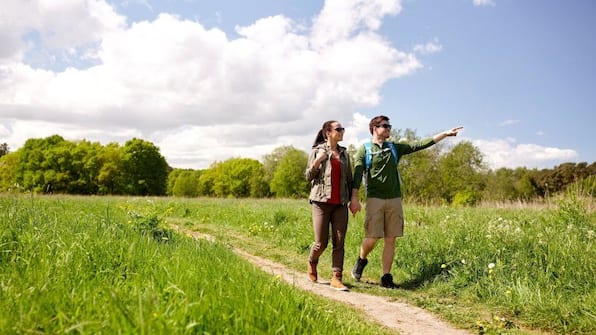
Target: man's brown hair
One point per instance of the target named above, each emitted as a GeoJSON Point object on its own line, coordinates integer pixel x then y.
{"type": "Point", "coordinates": [376, 121]}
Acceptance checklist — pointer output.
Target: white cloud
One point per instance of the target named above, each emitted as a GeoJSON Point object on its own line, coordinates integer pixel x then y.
{"type": "Point", "coordinates": [190, 89]}
{"type": "Point", "coordinates": [60, 24]}
{"type": "Point", "coordinates": [341, 19]}
{"type": "Point", "coordinates": [428, 48]}
{"type": "Point", "coordinates": [506, 153]}
{"type": "Point", "coordinates": [484, 3]}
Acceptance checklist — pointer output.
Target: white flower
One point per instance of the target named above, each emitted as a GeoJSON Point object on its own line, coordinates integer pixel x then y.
{"type": "Point", "coordinates": [491, 265]}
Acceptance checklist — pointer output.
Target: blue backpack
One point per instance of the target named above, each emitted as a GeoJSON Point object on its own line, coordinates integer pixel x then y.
{"type": "Point", "coordinates": [368, 159]}
{"type": "Point", "coordinates": [369, 154]}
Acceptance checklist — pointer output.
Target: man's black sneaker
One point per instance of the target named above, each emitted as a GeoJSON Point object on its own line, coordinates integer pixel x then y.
{"type": "Point", "coordinates": [387, 281]}
{"type": "Point", "coordinates": [359, 268]}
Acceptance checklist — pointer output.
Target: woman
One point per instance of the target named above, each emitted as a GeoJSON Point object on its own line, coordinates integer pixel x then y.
{"type": "Point", "coordinates": [330, 174]}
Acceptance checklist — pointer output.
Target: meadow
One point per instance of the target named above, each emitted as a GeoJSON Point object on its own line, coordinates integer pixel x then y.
{"type": "Point", "coordinates": [114, 265]}
{"type": "Point", "coordinates": [90, 265]}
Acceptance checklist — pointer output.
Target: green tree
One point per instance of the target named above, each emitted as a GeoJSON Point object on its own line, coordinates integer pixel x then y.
{"type": "Point", "coordinates": [500, 185]}
{"type": "Point", "coordinates": [551, 181]}
{"type": "Point", "coordinates": [42, 158]}
{"type": "Point", "coordinates": [85, 166]}
{"type": "Point", "coordinates": [186, 184]}
{"type": "Point", "coordinates": [288, 179]}
{"type": "Point", "coordinates": [419, 172]}
{"type": "Point", "coordinates": [110, 174]}
{"type": "Point", "coordinates": [172, 176]}
{"type": "Point", "coordinates": [4, 150]}
{"type": "Point", "coordinates": [145, 169]}
{"type": "Point", "coordinates": [524, 188]}
{"type": "Point", "coordinates": [259, 187]}
{"type": "Point", "coordinates": [207, 180]}
{"type": "Point", "coordinates": [239, 177]}
{"type": "Point", "coordinates": [462, 171]}
{"type": "Point", "coordinates": [271, 161]}
{"type": "Point", "coordinates": [58, 168]}
{"type": "Point", "coordinates": [8, 168]}
{"type": "Point", "coordinates": [420, 176]}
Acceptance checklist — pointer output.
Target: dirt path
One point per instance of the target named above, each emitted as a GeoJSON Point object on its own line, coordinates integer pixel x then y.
{"type": "Point", "coordinates": [404, 318]}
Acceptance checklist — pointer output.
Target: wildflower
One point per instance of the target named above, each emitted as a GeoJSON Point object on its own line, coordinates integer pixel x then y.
{"type": "Point", "coordinates": [491, 265]}
{"type": "Point", "coordinates": [443, 266]}
{"type": "Point", "coordinates": [508, 292]}
{"type": "Point", "coordinates": [463, 261]}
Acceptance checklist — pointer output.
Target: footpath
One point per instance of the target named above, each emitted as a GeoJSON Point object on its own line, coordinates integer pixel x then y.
{"type": "Point", "coordinates": [404, 318]}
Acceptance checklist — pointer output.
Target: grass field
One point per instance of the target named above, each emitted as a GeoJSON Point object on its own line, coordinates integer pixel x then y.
{"type": "Point", "coordinates": [111, 265]}
{"type": "Point", "coordinates": [101, 266]}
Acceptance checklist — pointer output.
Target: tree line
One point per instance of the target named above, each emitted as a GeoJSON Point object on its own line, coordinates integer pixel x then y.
{"type": "Point", "coordinates": [53, 164]}
{"type": "Point", "coordinates": [439, 175]}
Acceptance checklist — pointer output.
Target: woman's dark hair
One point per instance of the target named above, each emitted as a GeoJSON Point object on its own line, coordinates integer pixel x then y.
{"type": "Point", "coordinates": [321, 137]}
{"type": "Point", "coordinates": [376, 121]}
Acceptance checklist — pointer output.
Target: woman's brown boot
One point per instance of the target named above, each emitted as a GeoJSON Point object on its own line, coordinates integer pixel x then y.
{"type": "Point", "coordinates": [312, 271]}
{"type": "Point", "coordinates": [336, 282]}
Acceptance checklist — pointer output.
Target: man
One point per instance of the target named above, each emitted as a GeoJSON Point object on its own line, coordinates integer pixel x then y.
{"type": "Point", "coordinates": [384, 214]}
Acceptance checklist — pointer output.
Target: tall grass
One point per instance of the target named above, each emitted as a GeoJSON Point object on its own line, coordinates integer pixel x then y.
{"type": "Point", "coordinates": [110, 266]}
{"type": "Point", "coordinates": [535, 266]}
{"type": "Point", "coordinates": [524, 267]}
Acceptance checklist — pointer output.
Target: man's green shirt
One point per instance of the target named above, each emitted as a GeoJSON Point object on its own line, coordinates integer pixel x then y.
{"type": "Point", "coordinates": [382, 179]}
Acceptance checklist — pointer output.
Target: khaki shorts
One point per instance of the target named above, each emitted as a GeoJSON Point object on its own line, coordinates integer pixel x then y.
{"type": "Point", "coordinates": [384, 218]}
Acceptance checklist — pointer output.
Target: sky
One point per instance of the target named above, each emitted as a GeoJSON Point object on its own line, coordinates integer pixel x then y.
{"type": "Point", "coordinates": [207, 81]}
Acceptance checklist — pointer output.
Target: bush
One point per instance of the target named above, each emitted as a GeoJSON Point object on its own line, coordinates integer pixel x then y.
{"type": "Point", "coordinates": [465, 198]}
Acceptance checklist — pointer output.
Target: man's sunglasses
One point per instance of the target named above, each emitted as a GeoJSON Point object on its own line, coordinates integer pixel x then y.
{"type": "Point", "coordinates": [384, 125]}
{"type": "Point", "coordinates": [340, 129]}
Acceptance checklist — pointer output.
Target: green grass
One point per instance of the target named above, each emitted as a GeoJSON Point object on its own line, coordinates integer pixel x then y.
{"type": "Point", "coordinates": [489, 270]}
{"type": "Point", "coordinates": [89, 265]}
{"type": "Point", "coordinates": [111, 265]}
{"type": "Point", "coordinates": [534, 267]}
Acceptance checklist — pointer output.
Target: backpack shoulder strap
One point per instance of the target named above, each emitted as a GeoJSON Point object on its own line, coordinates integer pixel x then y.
{"type": "Point", "coordinates": [367, 155]}
{"type": "Point", "coordinates": [393, 151]}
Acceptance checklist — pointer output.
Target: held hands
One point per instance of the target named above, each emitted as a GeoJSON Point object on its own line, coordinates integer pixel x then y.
{"type": "Point", "coordinates": [355, 206]}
